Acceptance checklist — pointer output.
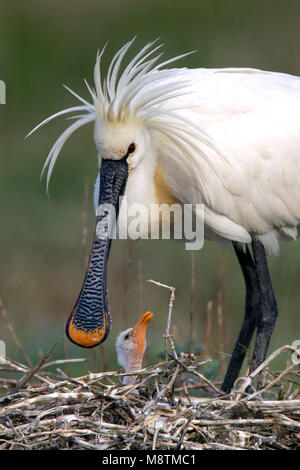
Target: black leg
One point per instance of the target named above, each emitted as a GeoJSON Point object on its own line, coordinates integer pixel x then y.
{"type": "Point", "coordinates": [268, 311]}
{"type": "Point", "coordinates": [252, 306]}
{"type": "Point", "coordinates": [260, 311]}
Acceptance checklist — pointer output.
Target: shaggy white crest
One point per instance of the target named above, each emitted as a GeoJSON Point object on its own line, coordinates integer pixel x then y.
{"type": "Point", "coordinates": [142, 92]}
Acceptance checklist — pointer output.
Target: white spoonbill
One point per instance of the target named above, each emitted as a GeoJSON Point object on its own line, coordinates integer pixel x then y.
{"type": "Point", "coordinates": [228, 139]}
{"type": "Point", "coordinates": [131, 345]}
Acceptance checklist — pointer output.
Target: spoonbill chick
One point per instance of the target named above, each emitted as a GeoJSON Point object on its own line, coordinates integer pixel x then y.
{"type": "Point", "coordinates": [131, 345]}
{"type": "Point", "coordinates": [227, 139]}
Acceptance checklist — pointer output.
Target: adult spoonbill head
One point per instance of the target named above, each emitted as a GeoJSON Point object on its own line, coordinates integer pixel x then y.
{"type": "Point", "coordinates": [228, 139]}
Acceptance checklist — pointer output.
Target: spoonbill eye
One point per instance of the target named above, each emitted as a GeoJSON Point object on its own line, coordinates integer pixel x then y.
{"type": "Point", "coordinates": [131, 149]}
{"type": "Point", "coordinates": [127, 336]}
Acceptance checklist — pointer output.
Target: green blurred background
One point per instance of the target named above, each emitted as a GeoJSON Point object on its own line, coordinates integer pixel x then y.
{"type": "Point", "coordinates": [44, 44]}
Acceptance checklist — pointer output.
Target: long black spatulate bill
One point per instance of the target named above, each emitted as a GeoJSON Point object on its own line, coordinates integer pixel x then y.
{"type": "Point", "coordinates": [89, 322]}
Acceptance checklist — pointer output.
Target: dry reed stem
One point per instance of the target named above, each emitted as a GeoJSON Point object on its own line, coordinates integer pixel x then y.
{"type": "Point", "coordinates": [140, 287]}
{"type": "Point", "coordinates": [126, 282]}
{"type": "Point", "coordinates": [220, 314]}
{"type": "Point", "coordinates": [97, 412]}
{"type": "Point", "coordinates": [23, 381]}
{"type": "Point", "coordinates": [208, 326]}
{"type": "Point", "coordinates": [246, 381]}
{"type": "Point", "coordinates": [192, 300]}
{"type": "Point", "coordinates": [88, 413]}
{"type": "Point", "coordinates": [167, 335]}
{"type": "Point", "coordinates": [13, 333]}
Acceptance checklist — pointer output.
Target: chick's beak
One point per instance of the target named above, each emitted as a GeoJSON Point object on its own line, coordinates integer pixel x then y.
{"type": "Point", "coordinates": [140, 330]}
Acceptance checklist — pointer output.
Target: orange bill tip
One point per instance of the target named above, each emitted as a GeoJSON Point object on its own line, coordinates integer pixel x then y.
{"type": "Point", "coordinates": [147, 317]}
{"type": "Point", "coordinates": [139, 331]}
{"type": "Point", "coordinates": [85, 338]}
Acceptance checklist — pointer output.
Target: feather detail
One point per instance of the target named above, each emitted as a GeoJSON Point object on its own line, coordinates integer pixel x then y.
{"type": "Point", "coordinates": [142, 92]}
{"type": "Point", "coordinates": [54, 152]}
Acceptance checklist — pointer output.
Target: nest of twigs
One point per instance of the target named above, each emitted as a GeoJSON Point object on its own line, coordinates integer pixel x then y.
{"type": "Point", "coordinates": [43, 410]}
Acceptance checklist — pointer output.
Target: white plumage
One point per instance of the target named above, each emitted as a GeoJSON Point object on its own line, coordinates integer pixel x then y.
{"type": "Point", "coordinates": [232, 134]}
{"type": "Point", "coordinates": [225, 138]}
